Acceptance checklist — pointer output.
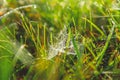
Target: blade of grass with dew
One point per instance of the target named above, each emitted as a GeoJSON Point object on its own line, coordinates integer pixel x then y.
{"type": "Point", "coordinates": [16, 9]}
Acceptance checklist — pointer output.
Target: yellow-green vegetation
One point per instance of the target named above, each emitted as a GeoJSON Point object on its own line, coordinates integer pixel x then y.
{"type": "Point", "coordinates": [59, 40]}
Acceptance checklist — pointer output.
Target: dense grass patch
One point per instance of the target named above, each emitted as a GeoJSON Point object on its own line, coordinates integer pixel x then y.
{"type": "Point", "coordinates": [59, 40]}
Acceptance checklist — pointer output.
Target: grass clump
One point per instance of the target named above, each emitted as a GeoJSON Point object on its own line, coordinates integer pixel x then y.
{"type": "Point", "coordinates": [59, 40]}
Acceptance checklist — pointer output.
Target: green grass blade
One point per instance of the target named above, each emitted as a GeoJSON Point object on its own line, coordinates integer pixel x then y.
{"type": "Point", "coordinates": [100, 57]}
{"type": "Point", "coordinates": [96, 27]}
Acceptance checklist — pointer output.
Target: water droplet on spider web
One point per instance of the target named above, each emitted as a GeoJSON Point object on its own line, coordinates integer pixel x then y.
{"type": "Point", "coordinates": [35, 6]}
{"type": "Point", "coordinates": [60, 45]}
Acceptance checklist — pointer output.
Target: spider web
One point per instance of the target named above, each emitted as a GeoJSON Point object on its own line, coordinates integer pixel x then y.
{"type": "Point", "coordinates": [60, 45]}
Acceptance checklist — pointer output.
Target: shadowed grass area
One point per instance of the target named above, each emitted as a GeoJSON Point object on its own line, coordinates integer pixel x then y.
{"type": "Point", "coordinates": [59, 40]}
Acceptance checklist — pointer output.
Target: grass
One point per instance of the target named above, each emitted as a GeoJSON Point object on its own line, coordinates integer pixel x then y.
{"type": "Point", "coordinates": [59, 40]}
